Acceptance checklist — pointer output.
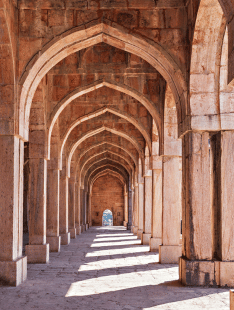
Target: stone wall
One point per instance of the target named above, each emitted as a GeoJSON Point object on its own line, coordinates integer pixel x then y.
{"type": "Point", "coordinates": [108, 193]}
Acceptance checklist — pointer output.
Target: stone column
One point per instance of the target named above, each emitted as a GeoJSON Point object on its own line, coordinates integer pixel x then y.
{"type": "Point", "coordinates": [222, 160]}
{"type": "Point", "coordinates": [196, 265]}
{"type": "Point", "coordinates": [85, 209]}
{"type": "Point", "coordinates": [141, 208]}
{"type": "Point", "coordinates": [156, 238]}
{"type": "Point", "coordinates": [81, 209]}
{"type": "Point", "coordinates": [90, 204]}
{"type": "Point", "coordinates": [133, 209]}
{"type": "Point", "coordinates": [170, 250]}
{"type": "Point", "coordinates": [77, 208]}
{"type": "Point", "coordinates": [37, 251]}
{"type": "Point", "coordinates": [52, 216]}
{"type": "Point", "coordinates": [129, 225]}
{"type": "Point", "coordinates": [63, 209]}
{"type": "Point", "coordinates": [13, 267]}
{"type": "Point", "coordinates": [136, 198]}
{"type": "Point", "coordinates": [125, 206]}
{"type": "Point", "coordinates": [148, 208]}
{"type": "Point", "coordinates": [71, 209]}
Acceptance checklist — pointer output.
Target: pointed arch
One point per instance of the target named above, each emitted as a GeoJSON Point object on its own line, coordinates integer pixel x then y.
{"type": "Point", "coordinates": [96, 131]}
{"type": "Point", "coordinates": [105, 151]}
{"type": "Point", "coordinates": [121, 114]}
{"type": "Point", "coordinates": [122, 171]}
{"type": "Point", "coordinates": [77, 39]}
{"type": "Point", "coordinates": [105, 172]}
{"type": "Point", "coordinates": [108, 143]}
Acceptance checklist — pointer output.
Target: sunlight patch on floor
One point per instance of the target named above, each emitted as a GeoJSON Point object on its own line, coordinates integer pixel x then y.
{"type": "Point", "coordinates": [130, 250]}
{"type": "Point", "coordinates": [120, 243]}
{"type": "Point", "coordinates": [114, 235]}
{"type": "Point", "coordinates": [120, 262]}
{"type": "Point", "coordinates": [110, 228]}
{"type": "Point", "coordinates": [115, 238]}
{"type": "Point", "coordinates": [112, 283]}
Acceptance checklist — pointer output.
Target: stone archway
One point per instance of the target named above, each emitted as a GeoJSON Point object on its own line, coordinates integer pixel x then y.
{"type": "Point", "coordinates": [107, 193]}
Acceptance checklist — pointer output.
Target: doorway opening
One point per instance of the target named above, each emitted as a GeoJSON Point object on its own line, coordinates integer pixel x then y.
{"type": "Point", "coordinates": [107, 218]}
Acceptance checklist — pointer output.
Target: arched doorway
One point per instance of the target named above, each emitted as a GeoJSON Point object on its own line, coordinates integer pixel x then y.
{"type": "Point", "coordinates": [107, 218]}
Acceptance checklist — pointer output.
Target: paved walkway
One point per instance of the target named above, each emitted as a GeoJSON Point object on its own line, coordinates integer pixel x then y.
{"type": "Point", "coordinates": [107, 269]}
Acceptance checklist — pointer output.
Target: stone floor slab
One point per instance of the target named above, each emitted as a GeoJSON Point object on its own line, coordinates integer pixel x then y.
{"type": "Point", "coordinates": [107, 269]}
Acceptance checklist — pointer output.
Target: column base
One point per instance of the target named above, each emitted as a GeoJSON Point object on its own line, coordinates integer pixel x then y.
{"type": "Point", "coordinates": [206, 273]}
{"type": "Point", "coordinates": [129, 227]}
{"type": "Point", "coordinates": [54, 243]}
{"type": "Point", "coordinates": [86, 226]}
{"type": "Point", "coordinates": [37, 253]}
{"type": "Point", "coordinates": [169, 254]}
{"type": "Point", "coordinates": [125, 224]}
{"type": "Point", "coordinates": [13, 273]}
{"type": "Point", "coordinates": [154, 244]}
{"type": "Point", "coordinates": [139, 234]}
{"type": "Point", "coordinates": [78, 230]}
{"type": "Point", "coordinates": [65, 238]}
{"type": "Point", "coordinates": [145, 239]}
{"type": "Point", "coordinates": [72, 232]}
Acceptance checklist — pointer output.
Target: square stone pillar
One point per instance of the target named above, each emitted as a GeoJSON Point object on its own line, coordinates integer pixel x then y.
{"type": "Point", "coordinates": [71, 208]}
{"type": "Point", "coordinates": [84, 209]}
{"type": "Point", "coordinates": [141, 208]}
{"type": "Point", "coordinates": [148, 208]}
{"type": "Point", "coordinates": [156, 238]}
{"type": "Point", "coordinates": [196, 264]}
{"type": "Point", "coordinates": [90, 209]}
{"type": "Point", "coordinates": [52, 218]}
{"type": "Point", "coordinates": [129, 225]}
{"type": "Point", "coordinates": [77, 209]}
{"type": "Point", "coordinates": [13, 267]}
{"type": "Point", "coordinates": [135, 208]}
{"type": "Point", "coordinates": [63, 210]}
{"type": "Point", "coordinates": [170, 250]}
{"type": "Point", "coordinates": [38, 250]}
{"type": "Point", "coordinates": [223, 219]}
{"type": "Point", "coordinates": [125, 206]}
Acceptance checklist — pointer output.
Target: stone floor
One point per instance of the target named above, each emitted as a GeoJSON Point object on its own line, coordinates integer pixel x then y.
{"type": "Point", "coordinates": [107, 269]}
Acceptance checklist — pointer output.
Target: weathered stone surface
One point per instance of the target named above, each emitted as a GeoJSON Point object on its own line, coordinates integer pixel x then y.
{"type": "Point", "coordinates": [37, 254]}
{"type": "Point", "coordinates": [13, 272]}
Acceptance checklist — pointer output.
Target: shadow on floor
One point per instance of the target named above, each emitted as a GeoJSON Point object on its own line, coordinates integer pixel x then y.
{"type": "Point", "coordinates": [121, 277]}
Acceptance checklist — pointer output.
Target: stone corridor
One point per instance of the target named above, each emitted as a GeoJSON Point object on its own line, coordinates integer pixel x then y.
{"type": "Point", "coordinates": [107, 269]}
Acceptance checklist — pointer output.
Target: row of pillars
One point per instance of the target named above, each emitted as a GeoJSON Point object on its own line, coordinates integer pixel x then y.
{"type": "Point", "coordinates": [157, 208]}
{"type": "Point", "coordinates": [58, 209]}
{"type": "Point", "coordinates": [206, 256]}
{"type": "Point", "coordinates": [206, 251]}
